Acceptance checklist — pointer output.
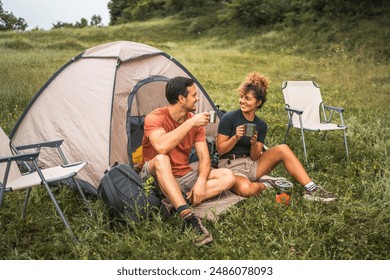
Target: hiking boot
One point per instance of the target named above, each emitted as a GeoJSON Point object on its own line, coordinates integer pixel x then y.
{"type": "Point", "coordinates": [320, 194]}
{"type": "Point", "coordinates": [166, 208]}
{"type": "Point", "coordinates": [278, 183]}
{"type": "Point", "coordinates": [195, 223]}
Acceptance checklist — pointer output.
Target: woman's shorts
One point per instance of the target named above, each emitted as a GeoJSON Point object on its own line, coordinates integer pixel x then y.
{"type": "Point", "coordinates": [244, 167]}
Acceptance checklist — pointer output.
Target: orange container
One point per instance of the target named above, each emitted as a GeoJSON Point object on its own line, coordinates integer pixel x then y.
{"type": "Point", "coordinates": [283, 198]}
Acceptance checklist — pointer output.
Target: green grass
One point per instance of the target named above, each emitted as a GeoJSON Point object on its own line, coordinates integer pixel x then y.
{"type": "Point", "coordinates": [353, 73]}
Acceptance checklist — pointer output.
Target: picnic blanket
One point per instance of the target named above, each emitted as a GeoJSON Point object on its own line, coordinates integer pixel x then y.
{"type": "Point", "coordinates": [212, 208]}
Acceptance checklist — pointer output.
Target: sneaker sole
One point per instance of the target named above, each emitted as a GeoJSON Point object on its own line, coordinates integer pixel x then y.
{"type": "Point", "coordinates": [281, 182]}
{"type": "Point", "coordinates": [267, 177]}
{"type": "Point", "coordinates": [166, 210]}
{"type": "Point", "coordinates": [316, 198]}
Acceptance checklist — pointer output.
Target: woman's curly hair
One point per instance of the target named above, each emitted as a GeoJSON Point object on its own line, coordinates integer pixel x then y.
{"type": "Point", "coordinates": [258, 84]}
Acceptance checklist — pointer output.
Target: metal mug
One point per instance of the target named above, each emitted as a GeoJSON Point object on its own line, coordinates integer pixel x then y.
{"type": "Point", "coordinates": [213, 116]}
{"type": "Point", "coordinates": [250, 129]}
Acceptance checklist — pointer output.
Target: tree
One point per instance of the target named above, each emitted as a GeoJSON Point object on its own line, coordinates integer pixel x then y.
{"type": "Point", "coordinates": [96, 20]}
{"type": "Point", "coordinates": [9, 22]}
{"type": "Point", "coordinates": [82, 23]}
{"type": "Point", "coordinates": [60, 24]}
{"type": "Point", "coordinates": [116, 8]}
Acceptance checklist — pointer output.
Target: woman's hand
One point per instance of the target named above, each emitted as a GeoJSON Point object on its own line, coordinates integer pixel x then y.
{"type": "Point", "coordinates": [256, 148]}
{"type": "Point", "coordinates": [240, 131]}
{"type": "Point", "coordinates": [254, 139]}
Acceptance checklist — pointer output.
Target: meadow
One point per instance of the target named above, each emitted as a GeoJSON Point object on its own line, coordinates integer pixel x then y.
{"type": "Point", "coordinates": [352, 72]}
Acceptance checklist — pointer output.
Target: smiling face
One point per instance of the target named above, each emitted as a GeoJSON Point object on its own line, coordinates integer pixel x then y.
{"type": "Point", "coordinates": [191, 99]}
{"type": "Point", "coordinates": [255, 87]}
{"type": "Point", "coordinates": [248, 102]}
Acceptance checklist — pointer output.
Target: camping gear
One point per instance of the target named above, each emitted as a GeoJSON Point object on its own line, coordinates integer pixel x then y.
{"type": "Point", "coordinates": [97, 103]}
{"type": "Point", "coordinates": [250, 129]}
{"type": "Point", "coordinates": [11, 179]}
{"type": "Point", "coordinates": [213, 116]}
{"type": "Point", "coordinates": [283, 198]}
{"type": "Point", "coordinates": [122, 191]}
{"type": "Point", "coordinates": [303, 103]}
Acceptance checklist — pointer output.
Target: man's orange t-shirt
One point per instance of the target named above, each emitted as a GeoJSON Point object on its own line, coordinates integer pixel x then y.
{"type": "Point", "coordinates": [179, 156]}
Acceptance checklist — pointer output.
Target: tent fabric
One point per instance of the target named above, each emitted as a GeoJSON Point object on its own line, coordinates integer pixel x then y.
{"type": "Point", "coordinates": [122, 50]}
{"type": "Point", "coordinates": [97, 102]}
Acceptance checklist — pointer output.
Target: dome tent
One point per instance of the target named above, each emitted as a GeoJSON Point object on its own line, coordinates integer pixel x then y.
{"type": "Point", "coordinates": [97, 103]}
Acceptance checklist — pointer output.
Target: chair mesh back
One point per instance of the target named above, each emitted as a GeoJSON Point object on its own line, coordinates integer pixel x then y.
{"type": "Point", "coordinates": [304, 96]}
{"type": "Point", "coordinates": [5, 151]}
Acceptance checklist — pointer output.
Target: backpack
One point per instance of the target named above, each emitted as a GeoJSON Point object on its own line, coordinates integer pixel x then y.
{"type": "Point", "coordinates": [122, 191]}
{"type": "Point", "coordinates": [214, 156]}
{"type": "Point", "coordinates": [211, 145]}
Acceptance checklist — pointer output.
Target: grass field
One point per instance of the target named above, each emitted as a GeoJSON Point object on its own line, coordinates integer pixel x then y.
{"type": "Point", "coordinates": [352, 73]}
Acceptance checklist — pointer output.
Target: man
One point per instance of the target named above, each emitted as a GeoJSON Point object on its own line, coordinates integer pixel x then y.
{"type": "Point", "coordinates": [169, 135]}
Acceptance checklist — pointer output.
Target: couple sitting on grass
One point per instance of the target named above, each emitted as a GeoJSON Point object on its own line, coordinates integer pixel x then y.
{"type": "Point", "coordinates": [171, 132]}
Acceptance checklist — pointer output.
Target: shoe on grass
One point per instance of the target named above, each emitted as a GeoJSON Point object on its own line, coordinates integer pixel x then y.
{"type": "Point", "coordinates": [192, 221]}
{"type": "Point", "coordinates": [320, 194]}
{"type": "Point", "coordinates": [166, 208]}
{"type": "Point", "coordinates": [279, 183]}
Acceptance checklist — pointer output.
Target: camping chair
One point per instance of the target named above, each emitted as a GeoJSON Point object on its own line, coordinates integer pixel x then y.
{"type": "Point", "coordinates": [303, 103]}
{"type": "Point", "coordinates": [11, 179]}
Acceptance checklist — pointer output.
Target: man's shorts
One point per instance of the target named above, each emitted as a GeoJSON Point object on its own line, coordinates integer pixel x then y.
{"type": "Point", "coordinates": [244, 167]}
{"type": "Point", "coordinates": [186, 182]}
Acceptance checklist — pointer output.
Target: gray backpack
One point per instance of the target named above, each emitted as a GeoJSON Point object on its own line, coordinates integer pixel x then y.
{"type": "Point", "coordinates": [121, 189]}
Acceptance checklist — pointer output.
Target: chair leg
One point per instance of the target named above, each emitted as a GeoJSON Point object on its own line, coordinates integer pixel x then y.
{"type": "Point", "coordinates": [304, 144]}
{"type": "Point", "coordinates": [83, 196]}
{"type": "Point", "coordinates": [59, 211]}
{"type": "Point", "coordinates": [345, 143]}
{"type": "Point", "coordinates": [25, 203]}
{"type": "Point", "coordinates": [285, 136]}
{"type": "Point", "coordinates": [2, 187]}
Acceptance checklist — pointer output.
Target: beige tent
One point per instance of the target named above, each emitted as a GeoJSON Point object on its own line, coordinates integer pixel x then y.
{"type": "Point", "coordinates": [97, 102]}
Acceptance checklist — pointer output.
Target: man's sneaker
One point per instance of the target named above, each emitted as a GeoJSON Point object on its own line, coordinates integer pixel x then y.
{"type": "Point", "coordinates": [195, 223]}
{"type": "Point", "coordinates": [279, 183]}
{"type": "Point", "coordinates": [319, 195]}
{"type": "Point", "coordinates": [166, 208]}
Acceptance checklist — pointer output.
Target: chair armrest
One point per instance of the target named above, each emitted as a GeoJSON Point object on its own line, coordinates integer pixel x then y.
{"type": "Point", "coordinates": [338, 109]}
{"type": "Point", "coordinates": [50, 144]}
{"type": "Point", "coordinates": [23, 157]}
{"type": "Point", "coordinates": [72, 164]}
{"type": "Point", "coordinates": [299, 112]}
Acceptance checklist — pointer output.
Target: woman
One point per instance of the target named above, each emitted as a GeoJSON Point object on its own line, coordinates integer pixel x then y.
{"type": "Point", "coordinates": [245, 156]}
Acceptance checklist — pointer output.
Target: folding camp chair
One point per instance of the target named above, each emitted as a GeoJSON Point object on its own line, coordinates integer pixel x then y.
{"type": "Point", "coordinates": [11, 179]}
{"type": "Point", "coordinates": [303, 103]}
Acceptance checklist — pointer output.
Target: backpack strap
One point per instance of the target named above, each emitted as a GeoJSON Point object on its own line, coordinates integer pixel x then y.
{"type": "Point", "coordinates": [127, 170]}
{"type": "Point", "coordinates": [112, 195]}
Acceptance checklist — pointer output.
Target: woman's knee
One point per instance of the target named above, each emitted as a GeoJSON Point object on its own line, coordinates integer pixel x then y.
{"type": "Point", "coordinates": [282, 150]}
{"type": "Point", "coordinates": [244, 188]}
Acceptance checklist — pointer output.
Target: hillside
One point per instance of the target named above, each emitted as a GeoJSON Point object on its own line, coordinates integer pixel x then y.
{"type": "Point", "coordinates": [349, 60]}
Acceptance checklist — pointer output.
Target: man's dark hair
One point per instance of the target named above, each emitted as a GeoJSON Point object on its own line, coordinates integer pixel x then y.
{"type": "Point", "coordinates": [177, 86]}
